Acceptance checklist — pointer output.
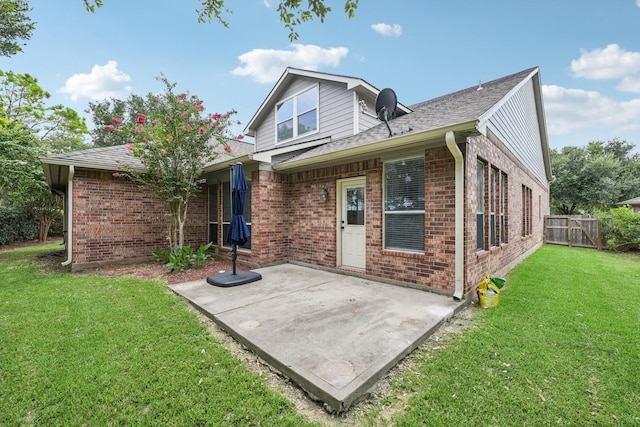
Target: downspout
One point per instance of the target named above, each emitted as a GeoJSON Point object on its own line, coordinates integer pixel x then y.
{"type": "Point", "coordinates": [69, 209]}
{"type": "Point", "coordinates": [459, 215]}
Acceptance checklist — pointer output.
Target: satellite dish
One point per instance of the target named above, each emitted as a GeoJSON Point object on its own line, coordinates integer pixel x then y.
{"type": "Point", "coordinates": [386, 103]}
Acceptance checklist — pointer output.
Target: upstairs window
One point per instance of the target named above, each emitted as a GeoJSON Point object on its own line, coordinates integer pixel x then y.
{"type": "Point", "coordinates": [297, 115]}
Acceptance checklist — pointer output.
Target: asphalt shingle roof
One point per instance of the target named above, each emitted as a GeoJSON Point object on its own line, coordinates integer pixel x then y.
{"type": "Point", "coordinates": [464, 106]}
{"type": "Point", "coordinates": [113, 157]}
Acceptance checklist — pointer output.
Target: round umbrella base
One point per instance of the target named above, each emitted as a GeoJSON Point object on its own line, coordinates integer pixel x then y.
{"type": "Point", "coordinates": [228, 279]}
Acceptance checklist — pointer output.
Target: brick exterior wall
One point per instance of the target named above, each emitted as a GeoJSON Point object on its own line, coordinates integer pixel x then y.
{"type": "Point", "coordinates": [117, 220]}
{"type": "Point", "coordinates": [500, 258]}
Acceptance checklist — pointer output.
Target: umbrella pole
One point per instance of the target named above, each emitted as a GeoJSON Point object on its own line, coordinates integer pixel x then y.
{"type": "Point", "coordinates": [234, 256]}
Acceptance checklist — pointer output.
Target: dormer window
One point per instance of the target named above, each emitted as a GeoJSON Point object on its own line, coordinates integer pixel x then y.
{"type": "Point", "coordinates": [297, 115]}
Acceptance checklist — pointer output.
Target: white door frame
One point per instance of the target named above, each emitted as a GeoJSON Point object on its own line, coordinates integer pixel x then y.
{"type": "Point", "coordinates": [341, 186]}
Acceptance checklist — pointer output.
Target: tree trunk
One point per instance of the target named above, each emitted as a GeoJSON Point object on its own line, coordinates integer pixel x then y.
{"type": "Point", "coordinates": [43, 231]}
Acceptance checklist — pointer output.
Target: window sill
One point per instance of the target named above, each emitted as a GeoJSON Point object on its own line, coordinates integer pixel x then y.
{"type": "Point", "coordinates": [403, 254]}
{"type": "Point", "coordinates": [482, 254]}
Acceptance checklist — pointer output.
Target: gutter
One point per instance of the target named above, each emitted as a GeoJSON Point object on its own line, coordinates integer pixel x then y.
{"type": "Point", "coordinates": [459, 215]}
{"type": "Point", "coordinates": [69, 209]}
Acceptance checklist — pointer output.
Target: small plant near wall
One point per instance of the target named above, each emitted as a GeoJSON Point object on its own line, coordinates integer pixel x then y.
{"type": "Point", "coordinates": [184, 258]}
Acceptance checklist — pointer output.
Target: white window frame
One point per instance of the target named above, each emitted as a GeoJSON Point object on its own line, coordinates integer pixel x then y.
{"type": "Point", "coordinates": [386, 212]}
{"type": "Point", "coordinates": [481, 209]}
{"type": "Point", "coordinates": [296, 114]}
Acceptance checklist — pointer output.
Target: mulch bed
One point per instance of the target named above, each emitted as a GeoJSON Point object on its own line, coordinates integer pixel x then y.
{"type": "Point", "coordinates": [52, 262]}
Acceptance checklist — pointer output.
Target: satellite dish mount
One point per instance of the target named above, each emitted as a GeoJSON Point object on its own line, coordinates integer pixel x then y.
{"type": "Point", "coordinates": [386, 104]}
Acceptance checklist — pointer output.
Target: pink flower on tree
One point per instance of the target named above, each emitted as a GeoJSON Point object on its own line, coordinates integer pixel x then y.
{"type": "Point", "coordinates": [138, 130]}
{"type": "Point", "coordinates": [183, 95]}
{"type": "Point", "coordinates": [238, 122]}
{"type": "Point", "coordinates": [109, 128]}
{"type": "Point", "coordinates": [130, 147]}
{"type": "Point", "coordinates": [115, 174]}
{"type": "Point", "coordinates": [117, 121]}
{"type": "Point", "coordinates": [201, 130]}
{"type": "Point", "coordinates": [240, 136]}
{"type": "Point", "coordinates": [169, 137]}
{"type": "Point", "coordinates": [189, 127]}
{"type": "Point", "coordinates": [227, 148]}
{"type": "Point", "coordinates": [216, 116]}
{"type": "Point", "coordinates": [141, 119]}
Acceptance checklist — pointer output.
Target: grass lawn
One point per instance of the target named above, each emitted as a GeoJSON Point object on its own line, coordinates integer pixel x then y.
{"type": "Point", "coordinates": [562, 348]}
{"type": "Point", "coordinates": [88, 350]}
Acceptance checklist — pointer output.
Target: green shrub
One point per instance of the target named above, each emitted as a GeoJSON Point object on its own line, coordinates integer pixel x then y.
{"type": "Point", "coordinates": [184, 258]}
{"type": "Point", "coordinates": [17, 225]}
{"type": "Point", "coordinates": [621, 229]}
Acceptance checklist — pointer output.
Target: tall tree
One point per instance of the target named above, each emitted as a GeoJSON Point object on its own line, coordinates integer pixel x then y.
{"type": "Point", "coordinates": [15, 26]}
{"type": "Point", "coordinates": [29, 129]}
{"type": "Point", "coordinates": [23, 104]}
{"type": "Point", "coordinates": [594, 177]}
{"type": "Point", "coordinates": [292, 13]}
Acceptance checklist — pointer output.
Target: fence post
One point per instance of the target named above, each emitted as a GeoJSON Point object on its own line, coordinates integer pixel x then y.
{"type": "Point", "coordinates": [569, 230]}
{"type": "Point", "coordinates": [599, 242]}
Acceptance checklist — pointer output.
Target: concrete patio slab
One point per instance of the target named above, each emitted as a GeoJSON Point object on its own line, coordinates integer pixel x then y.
{"type": "Point", "coordinates": [334, 335]}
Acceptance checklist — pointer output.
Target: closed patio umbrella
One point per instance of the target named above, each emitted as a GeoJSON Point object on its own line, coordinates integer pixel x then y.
{"type": "Point", "coordinates": [238, 233]}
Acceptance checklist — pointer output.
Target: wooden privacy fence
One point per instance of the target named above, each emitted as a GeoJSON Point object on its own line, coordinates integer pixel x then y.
{"type": "Point", "coordinates": [583, 231]}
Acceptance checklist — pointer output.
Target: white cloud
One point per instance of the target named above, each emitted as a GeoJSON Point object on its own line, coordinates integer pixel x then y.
{"type": "Point", "coordinates": [612, 62]}
{"type": "Point", "coordinates": [638, 3]}
{"type": "Point", "coordinates": [104, 81]}
{"type": "Point", "coordinates": [569, 110]}
{"type": "Point", "coordinates": [267, 65]}
{"type": "Point", "coordinates": [268, 4]}
{"type": "Point", "coordinates": [387, 30]}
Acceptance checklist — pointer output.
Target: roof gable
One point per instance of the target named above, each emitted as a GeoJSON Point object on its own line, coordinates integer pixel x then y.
{"type": "Point", "coordinates": [290, 74]}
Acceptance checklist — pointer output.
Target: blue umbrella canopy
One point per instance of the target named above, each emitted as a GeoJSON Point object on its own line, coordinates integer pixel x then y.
{"type": "Point", "coordinates": [238, 231]}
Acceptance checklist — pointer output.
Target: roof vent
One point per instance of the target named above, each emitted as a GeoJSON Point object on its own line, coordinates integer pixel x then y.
{"type": "Point", "coordinates": [386, 103]}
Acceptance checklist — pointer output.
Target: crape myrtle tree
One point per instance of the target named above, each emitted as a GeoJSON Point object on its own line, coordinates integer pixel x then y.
{"type": "Point", "coordinates": [173, 142]}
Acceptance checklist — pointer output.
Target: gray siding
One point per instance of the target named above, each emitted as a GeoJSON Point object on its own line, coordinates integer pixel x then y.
{"type": "Point", "coordinates": [516, 124]}
{"type": "Point", "coordinates": [336, 109]}
{"type": "Point", "coordinates": [367, 120]}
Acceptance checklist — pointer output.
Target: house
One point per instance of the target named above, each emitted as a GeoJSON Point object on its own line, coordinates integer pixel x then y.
{"type": "Point", "coordinates": [445, 192]}
{"type": "Point", "coordinates": [633, 204]}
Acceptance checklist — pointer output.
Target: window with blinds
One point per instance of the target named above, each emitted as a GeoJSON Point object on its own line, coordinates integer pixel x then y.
{"type": "Point", "coordinates": [404, 205]}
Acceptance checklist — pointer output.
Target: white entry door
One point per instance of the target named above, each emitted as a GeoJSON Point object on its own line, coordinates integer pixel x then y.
{"type": "Point", "coordinates": [351, 222]}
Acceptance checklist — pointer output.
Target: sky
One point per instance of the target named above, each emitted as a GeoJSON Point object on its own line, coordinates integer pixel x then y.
{"type": "Point", "coordinates": [588, 52]}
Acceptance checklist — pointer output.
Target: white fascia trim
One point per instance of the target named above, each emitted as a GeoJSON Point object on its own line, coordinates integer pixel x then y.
{"type": "Point", "coordinates": [484, 118]}
{"type": "Point", "coordinates": [385, 144]}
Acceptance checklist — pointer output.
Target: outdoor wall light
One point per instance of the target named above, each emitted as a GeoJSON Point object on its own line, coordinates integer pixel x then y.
{"type": "Point", "coordinates": [324, 194]}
